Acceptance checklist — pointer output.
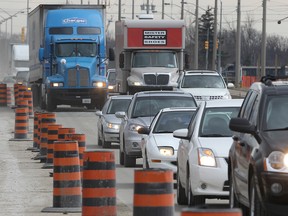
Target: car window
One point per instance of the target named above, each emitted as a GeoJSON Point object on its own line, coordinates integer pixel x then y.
{"type": "Point", "coordinates": [243, 108]}
{"type": "Point", "coordinates": [117, 105]}
{"type": "Point", "coordinates": [276, 113]}
{"type": "Point", "coordinates": [150, 106]}
{"type": "Point", "coordinates": [249, 106]}
{"type": "Point", "coordinates": [215, 121]}
{"type": "Point", "coordinates": [203, 81]}
{"type": "Point", "coordinates": [171, 121]}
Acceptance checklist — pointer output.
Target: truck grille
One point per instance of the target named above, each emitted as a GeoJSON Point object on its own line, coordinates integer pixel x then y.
{"type": "Point", "coordinates": [154, 79]}
{"type": "Point", "coordinates": [73, 75]}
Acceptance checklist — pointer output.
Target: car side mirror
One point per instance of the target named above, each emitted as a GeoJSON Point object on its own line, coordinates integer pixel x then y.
{"type": "Point", "coordinates": [111, 54]}
{"type": "Point", "coordinates": [120, 114]}
{"type": "Point", "coordinates": [230, 85]}
{"type": "Point", "coordinates": [144, 130]}
{"type": "Point", "coordinates": [181, 134]}
{"type": "Point", "coordinates": [242, 125]}
{"type": "Point", "coordinates": [98, 113]}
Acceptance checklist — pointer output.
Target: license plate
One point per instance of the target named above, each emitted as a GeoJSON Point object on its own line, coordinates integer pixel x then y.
{"type": "Point", "coordinates": [86, 101]}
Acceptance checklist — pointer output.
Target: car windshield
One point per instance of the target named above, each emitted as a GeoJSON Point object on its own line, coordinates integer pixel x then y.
{"type": "Point", "coordinates": [150, 106]}
{"type": "Point", "coordinates": [215, 121]}
{"type": "Point", "coordinates": [171, 121]}
{"type": "Point", "coordinates": [117, 105]}
{"type": "Point", "coordinates": [76, 49]}
{"type": "Point", "coordinates": [202, 81]}
{"type": "Point", "coordinates": [276, 113]}
{"type": "Point", "coordinates": [154, 59]}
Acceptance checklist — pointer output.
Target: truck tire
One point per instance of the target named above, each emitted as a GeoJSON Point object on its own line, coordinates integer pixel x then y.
{"type": "Point", "coordinates": [51, 105]}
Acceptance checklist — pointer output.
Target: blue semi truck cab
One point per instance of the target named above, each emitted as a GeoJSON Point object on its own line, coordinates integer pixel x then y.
{"type": "Point", "coordinates": [72, 57]}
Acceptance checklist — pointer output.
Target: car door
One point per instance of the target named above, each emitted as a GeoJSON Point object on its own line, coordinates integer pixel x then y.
{"type": "Point", "coordinates": [243, 143]}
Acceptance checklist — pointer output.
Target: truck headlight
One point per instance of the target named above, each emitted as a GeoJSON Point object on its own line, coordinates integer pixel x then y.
{"type": "Point", "coordinates": [206, 157]}
{"type": "Point", "coordinates": [166, 150]}
{"type": "Point", "coordinates": [99, 84]}
{"type": "Point", "coordinates": [57, 84]}
{"type": "Point", "coordinates": [110, 87]}
{"type": "Point", "coordinates": [136, 83]}
{"type": "Point", "coordinates": [277, 161]}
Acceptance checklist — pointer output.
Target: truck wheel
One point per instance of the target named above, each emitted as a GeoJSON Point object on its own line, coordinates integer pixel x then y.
{"type": "Point", "coordinates": [51, 105]}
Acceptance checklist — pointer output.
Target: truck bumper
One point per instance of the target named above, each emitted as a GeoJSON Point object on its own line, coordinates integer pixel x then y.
{"type": "Point", "coordinates": [79, 97]}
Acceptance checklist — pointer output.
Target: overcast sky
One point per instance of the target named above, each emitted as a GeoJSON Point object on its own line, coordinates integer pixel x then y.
{"type": "Point", "coordinates": [276, 9]}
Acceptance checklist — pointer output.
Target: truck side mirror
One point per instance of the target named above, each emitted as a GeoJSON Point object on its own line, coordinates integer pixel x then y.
{"type": "Point", "coordinates": [121, 60]}
{"type": "Point", "coordinates": [41, 54]}
{"type": "Point", "coordinates": [111, 54]}
{"type": "Point", "coordinates": [186, 66]}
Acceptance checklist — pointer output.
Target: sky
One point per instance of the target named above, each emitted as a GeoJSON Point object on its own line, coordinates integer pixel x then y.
{"type": "Point", "coordinates": [276, 10]}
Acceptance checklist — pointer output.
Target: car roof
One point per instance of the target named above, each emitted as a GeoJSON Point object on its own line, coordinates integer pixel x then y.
{"type": "Point", "coordinates": [171, 109]}
{"type": "Point", "coordinates": [197, 72]}
{"type": "Point", "coordinates": [121, 97]}
{"type": "Point", "coordinates": [223, 103]}
{"type": "Point", "coordinates": [162, 93]}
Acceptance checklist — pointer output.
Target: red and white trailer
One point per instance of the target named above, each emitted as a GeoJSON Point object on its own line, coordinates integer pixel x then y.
{"type": "Point", "coordinates": [149, 54]}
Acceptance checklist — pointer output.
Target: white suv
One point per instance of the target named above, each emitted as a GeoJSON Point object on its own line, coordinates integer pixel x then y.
{"type": "Point", "coordinates": [204, 85]}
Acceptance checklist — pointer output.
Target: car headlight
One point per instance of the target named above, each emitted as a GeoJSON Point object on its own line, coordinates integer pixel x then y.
{"type": "Point", "coordinates": [57, 84]}
{"type": "Point", "coordinates": [112, 126]}
{"type": "Point", "coordinates": [166, 150]}
{"type": "Point", "coordinates": [134, 127]}
{"type": "Point", "coordinates": [276, 160]}
{"type": "Point", "coordinates": [99, 84]}
{"type": "Point", "coordinates": [110, 87]}
{"type": "Point", "coordinates": [206, 157]}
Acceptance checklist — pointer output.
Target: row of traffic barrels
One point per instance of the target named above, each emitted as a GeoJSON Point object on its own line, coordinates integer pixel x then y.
{"type": "Point", "coordinates": [85, 181]}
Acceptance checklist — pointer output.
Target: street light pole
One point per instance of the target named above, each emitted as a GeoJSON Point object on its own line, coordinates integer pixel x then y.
{"type": "Point", "coordinates": [238, 46]}
{"type": "Point", "coordinates": [214, 53]}
{"type": "Point", "coordinates": [196, 37]}
{"type": "Point", "coordinates": [264, 40]}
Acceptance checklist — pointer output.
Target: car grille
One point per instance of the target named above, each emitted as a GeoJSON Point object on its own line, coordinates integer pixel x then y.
{"type": "Point", "coordinates": [154, 79]}
{"type": "Point", "coordinates": [82, 74]}
{"type": "Point", "coordinates": [197, 97]}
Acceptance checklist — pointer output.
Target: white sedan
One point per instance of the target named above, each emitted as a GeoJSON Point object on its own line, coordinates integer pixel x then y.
{"type": "Point", "coordinates": [159, 148]}
{"type": "Point", "coordinates": [203, 152]}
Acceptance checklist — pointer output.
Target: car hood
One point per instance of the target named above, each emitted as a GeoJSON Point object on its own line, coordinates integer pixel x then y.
{"type": "Point", "coordinates": [206, 91]}
{"type": "Point", "coordinates": [219, 145]}
{"type": "Point", "coordinates": [166, 139]}
{"type": "Point", "coordinates": [145, 121]}
{"type": "Point", "coordinates": [275, 140]}
{"type": "Point", "coordinates": [111, 118]}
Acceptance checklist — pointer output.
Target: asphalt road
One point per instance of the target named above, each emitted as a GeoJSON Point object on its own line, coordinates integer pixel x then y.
{"type": "Point", "coordinates": [26, 189]}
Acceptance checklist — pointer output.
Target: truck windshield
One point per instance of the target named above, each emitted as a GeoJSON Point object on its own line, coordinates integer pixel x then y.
{"type": "Point", "coordinates": [76, 49]}
{"type": "Point", "coordinates": [154, 59]}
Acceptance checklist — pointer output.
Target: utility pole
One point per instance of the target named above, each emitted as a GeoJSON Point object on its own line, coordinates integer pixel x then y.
{"type": "Point", "coordinates": [196, 37]}
{"type": "Point", "coordinates": [27, 23]}
{"type": "Point", "coordinates": [163, 4]}
{"type": "Point", "coordinates": [182, 10]}
{"type": "Point", "coordinates": [119, 10]}
{"type": "Point", "coordinates": [219, 44]}
{"type": "Point", "coordinates": [238, 47]}
{"type": "Point", "coordinates": [214, 53]}
{"type": "Point", "coordinates": [264, 40]}
{"type": "Point", "coordinates": [147, 7]}
{"type": "Point", "coordinates": [133, 5]}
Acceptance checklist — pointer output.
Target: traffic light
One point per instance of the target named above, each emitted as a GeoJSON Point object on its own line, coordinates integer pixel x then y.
{"type": "Point", "coordinates": [206, 45]}
{"type": "Point", "coordinates": [217, 44]}
{"type": "Point", "coordinates": [23, 35]}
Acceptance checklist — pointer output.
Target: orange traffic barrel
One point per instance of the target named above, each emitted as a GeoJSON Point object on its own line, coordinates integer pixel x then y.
{"type": "Point", "coordinates": [3, 94]}
{"type": "Point", "coordinates": [28, 96]}
{"type": "Point", "coordinates": [153, 192]}
{"type": "Point", "coordinates": [46, 119]}
{"type": "Point", "coordinates": [51, 138]}
{"type": "Point", "coordinates": [63, 131]}
{"type": "Point", "coordinates": [67, 190]}
{"type": "Point", "coordinates": [9, 96]}
{"type": "Point", "coordinates": [99, 184]}
{"type": "Point", "coordinates": [21, 123]}
{"type": "Point", "coordinates": [16, 92]}
{"type": "Point", "coordinates": [81, 138]}
{"type": "Point", "coordinates": [21, 89]}
{"type": "Point", "coordinates": [35, 132]}
{"type": "Point", "coordinates": [210, 212]}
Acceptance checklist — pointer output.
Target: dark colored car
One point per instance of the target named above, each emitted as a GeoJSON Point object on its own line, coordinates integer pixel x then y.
{"type": "Point", "coordinates": [258, 157]}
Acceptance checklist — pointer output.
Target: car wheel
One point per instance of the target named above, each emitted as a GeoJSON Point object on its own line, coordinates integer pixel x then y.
{"type": "Point", "coordinates": [99, 140]}
{"type": "Point", "coordinates": [193, 200]}
{"type": "Point", "coordinates": [106, 144]}
{"type": "Point", "coordinates": [145, 161]}
{"type": "Point", "coordinates": [181, 194]}
{"type": "Point", "coordinates": [255, 205]}
{"type": "Point", "coordinates": [121, 157]}
{"type": "Point", "coordinates": [129, 161]}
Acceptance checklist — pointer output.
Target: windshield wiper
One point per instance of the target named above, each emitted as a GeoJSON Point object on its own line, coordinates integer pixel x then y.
{"type": "Point", "coordinates": [213, 135]}
{"type": "Point", "coordinates": [278, 129]}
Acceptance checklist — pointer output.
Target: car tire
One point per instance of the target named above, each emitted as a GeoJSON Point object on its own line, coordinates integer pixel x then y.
{"type": "Point", "coordinates": [106, 144]}
{"type": "Point", "coordinates": [129, 161]}
{"type": "Point", "coordinates": [255, 205]}
{"type": "Point", "coordinates": [146, 161]}
{"type": "Point", "coordinates": [121, 157]}
{"type": "Point", "coordinates": [99, 140]}
{"type": "Point", "coordinates": [194, 200]}
{"type": "Point", "coordinates": [181, 194]}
